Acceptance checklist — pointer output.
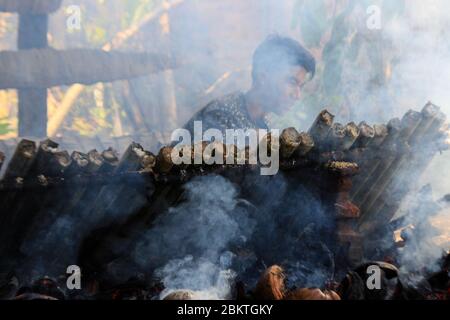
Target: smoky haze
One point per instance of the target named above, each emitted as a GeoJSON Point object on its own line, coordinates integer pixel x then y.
{"type": "Point", "coordinates": [402, 63]}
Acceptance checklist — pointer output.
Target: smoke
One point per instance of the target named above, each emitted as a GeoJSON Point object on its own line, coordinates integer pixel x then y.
{"type": "Point", "coordinates": [293, 229]}
{"type": "Point", "coordinates": [415, 62]}
{"type": "Point", "coordinates": [189, 245]}
{"type": "Point", "coordinates": [209, 281]}
{"type": "Point", "coordinates": [222, 233]}
{"type": "Point", "coordinates": [398, 66]}
{"type": "Point", "coordinates": [422, 74]}
{"type": "Point", "coordinates": [419, 44]}
{"type": "Point", "coordinates": [215, 235]}
{"type": "Point", "coordinates": [420, 39]}
{"type": "Point", "coordinates": [49, 246]}
{"type": "Point", "coordinates": [421, 250]}
{"type": "Point", "coordinates": [60, 228]}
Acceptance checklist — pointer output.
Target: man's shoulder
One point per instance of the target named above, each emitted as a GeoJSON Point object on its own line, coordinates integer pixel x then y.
{"type": "Point", "coordinates": [225, 112]}
{"type": "Point", "coordinates": [232, 103]}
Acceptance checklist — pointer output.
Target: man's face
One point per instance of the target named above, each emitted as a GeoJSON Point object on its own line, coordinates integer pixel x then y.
{"type": "Point", "coordinates": [283, 89]}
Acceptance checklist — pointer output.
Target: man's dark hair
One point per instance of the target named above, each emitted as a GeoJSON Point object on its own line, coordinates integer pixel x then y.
{"type": "Point", "coordinates": [276, 52]}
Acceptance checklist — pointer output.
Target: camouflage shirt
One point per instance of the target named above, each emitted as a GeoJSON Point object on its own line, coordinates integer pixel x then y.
{"type": "Point", "coordinates": [228, 112]}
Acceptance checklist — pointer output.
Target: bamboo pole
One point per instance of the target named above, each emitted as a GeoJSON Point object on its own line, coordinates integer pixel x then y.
{"type": "Point", "coordinates": [117, 42]}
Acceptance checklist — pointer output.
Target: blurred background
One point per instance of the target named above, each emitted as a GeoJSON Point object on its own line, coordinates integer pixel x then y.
{"type": "Point", "coordinates": [376, 59]}
{"type": "Point", "coordinates": [374, 72]}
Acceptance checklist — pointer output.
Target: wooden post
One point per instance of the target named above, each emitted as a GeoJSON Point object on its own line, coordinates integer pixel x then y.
{"type": "Point", "coordinates": [32, 102]}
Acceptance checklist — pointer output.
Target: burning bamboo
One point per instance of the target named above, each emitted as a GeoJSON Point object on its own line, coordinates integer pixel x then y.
{"type": "Point", "coordinates": [18, 168]}
{"type": "Point", "coordinates": [131, 159]}
{"type": "Point", "coordinates": [409, 123]}
{"type": "Point", "coordinates": [351, 133]}
{"type": "Point", "coordinates": [306, 144]}
{"type": "Point", "coordinates": [380, 163]}
{"type": "Point", "coordinates": [95, 161]}
{"type": "Point", "coordinates": [114, 197]}
{"type": "Point", "coordinates": [164, 160]}
{"type": "Point", "coordinates": [337, 195]}
{"type": "Point", "coordinates": [84, 195]}
{"type": "Point", "coordinates": [377, 190]}
{"type": "Point", "coordinates": [21, 161]}
{"type": "Point", "coordinates": [78, 165]}
{"type": "Point", "coordinates": [53, 164]}
{"type": "Point", "coordinates": [335, 136]}
{"type": "Point", "coordinates": [430, 113]}
{"type": "Point", "coordinates": [290, 140]}
{"type": "Point", "coordinates": [36, 166]}
{"type": "Point", "coordinates": [115, 183]}
{"type": "Point", "coordinates": [365, 150]}
{"type": "Point", "coordinates": [49, 160]}
{"type": "Point", "coordinates": [342, 168]}
{"type": "Point", "coordinates": [342, 138]}
{"type": "Point", "coordinates": [110, 160]}
{"type": "Point", "coordinates": [409, 167]}
{"type": "Point", "coordinates": [380, 177]}
{"type": "Point", "coordinates": [367, 157]}
{"type": "Point", "coordinates": [365, 137]}
{"type": "Point", "coordinates": [321, 127]}
{"type": "Point", "coordinates": [380, 133]}
{"type": "Point", "coordinates": [148, 161]}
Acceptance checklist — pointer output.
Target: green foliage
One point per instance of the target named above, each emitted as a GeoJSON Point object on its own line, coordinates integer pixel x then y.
{"type": "Point", "coordinates": [136, 10]}
{"type": "Point", "coordinates": [96, 35]}
{"type": "Point", "coordinates": [103, 20]}
{"type": "Point", "coordinates": [4, 126]}
{"type": "Point", "coordinates": [335, 28]}
{"type": "Point", "coordinates": [310, 16]}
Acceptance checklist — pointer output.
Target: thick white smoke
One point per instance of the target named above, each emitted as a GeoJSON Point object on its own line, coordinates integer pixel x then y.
{"type": "Point", "coordinates": [422, 73]}
{"type": "Point", "coordinates": [189, 246]}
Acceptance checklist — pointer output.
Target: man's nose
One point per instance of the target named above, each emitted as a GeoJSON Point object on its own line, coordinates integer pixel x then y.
{"type": "Point", "coordinates": [297, 93]}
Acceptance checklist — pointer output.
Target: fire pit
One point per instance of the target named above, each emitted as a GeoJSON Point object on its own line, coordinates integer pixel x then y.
{"type": "Point", "coordinates": [341, 183]}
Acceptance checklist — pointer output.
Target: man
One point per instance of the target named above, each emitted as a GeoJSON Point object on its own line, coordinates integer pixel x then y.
{"type": "Point", "coordinates": [281, 66]}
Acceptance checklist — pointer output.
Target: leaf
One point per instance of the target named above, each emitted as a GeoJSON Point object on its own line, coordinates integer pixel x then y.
{"type": "Point", "coordinates": [5, 126]}
{"type": "Point", "coordinates": [96, 34]}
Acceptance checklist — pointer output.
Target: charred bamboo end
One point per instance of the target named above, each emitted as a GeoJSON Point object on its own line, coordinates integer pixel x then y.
{"type": "Point", "coordinates": [342, 168]}
{"type": "Point", "coordinates": [290, 140]}
{"type": "Point", "coordinates": [322, 125]}
{"type": "Point", "coordinates": [430, 110]}
{"type": "Point", "coordinates": [164, 163]}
